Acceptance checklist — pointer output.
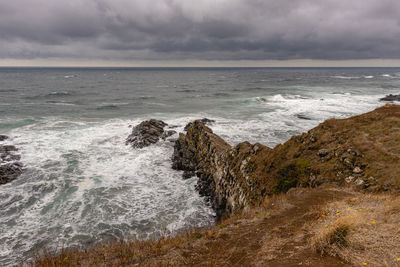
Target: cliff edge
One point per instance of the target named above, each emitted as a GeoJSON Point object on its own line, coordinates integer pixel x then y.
{"type": "Point", "coordinates": [362, 151]}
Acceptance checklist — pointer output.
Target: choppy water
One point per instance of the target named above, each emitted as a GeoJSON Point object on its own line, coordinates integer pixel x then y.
{"type": "Point", "coordinates": [83, 185]}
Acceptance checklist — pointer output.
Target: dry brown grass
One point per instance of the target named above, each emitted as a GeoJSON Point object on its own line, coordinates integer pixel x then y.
{"type": "Point", "coordinates": [121, 253]}
{"type": "Point", "coordinates": [361, 230]}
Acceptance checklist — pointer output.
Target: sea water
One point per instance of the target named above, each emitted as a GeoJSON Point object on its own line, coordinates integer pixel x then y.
{"type": "Point", "coordinates": [82, 184]}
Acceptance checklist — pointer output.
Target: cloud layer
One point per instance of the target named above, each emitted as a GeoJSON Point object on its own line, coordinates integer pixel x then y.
{"type": "Point", "coordinates": [206, 29]}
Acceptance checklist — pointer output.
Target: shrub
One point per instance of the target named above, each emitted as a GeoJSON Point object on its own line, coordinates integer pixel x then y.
{"type": "Point", "coordinates": [289, 175]}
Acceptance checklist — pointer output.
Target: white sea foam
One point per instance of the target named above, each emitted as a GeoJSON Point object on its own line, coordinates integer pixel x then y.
{"type": "Point", "coordinates": [346, 77]}
{"type": "Point", "coordinates": [292, 114]}
{"type": "Point", "coordinates": [83, 184]}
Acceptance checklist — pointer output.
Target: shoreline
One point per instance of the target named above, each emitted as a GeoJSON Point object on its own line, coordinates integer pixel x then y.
{"type": "Point", "coordinates": [346, 154]}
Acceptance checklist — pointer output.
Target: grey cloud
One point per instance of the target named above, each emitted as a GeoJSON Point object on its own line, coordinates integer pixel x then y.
{"type": "Point", "coordinates": [208, 29]}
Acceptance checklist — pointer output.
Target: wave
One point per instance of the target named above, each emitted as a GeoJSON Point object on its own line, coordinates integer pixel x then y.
{"type": "Point", "coordinates": [346, 77]}
{"type": "Point", "coordinates": [107, 107]}
{"type": "Point", "coordinates": [61, 93]}
{"type": "Point", "coordinates": [54, 94]}
{"type": "Point", "coordinates": [8, 90]}
{"type": "Point", "coordinates": [146, 97]}
{"type": "Point", "coordinates": [395, 76]}
{"type": "Point", "coordinates": [60, 103]}
{"type": "Point", "coordinates": [221, 94]}
{"type": "Point", "coordinates": [83, 184]}
{"type": "Point", "coordinates": [186, 91]}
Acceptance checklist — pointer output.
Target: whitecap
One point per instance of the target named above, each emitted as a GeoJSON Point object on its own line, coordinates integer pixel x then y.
{"type": "Point", "coordinates": [346, 77]}
{"type": "Point", "coordinates": [79, 174]}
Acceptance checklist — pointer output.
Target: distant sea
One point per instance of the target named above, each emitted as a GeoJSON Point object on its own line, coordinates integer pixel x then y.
{"type": "Point", "coordinates": [83, 185]}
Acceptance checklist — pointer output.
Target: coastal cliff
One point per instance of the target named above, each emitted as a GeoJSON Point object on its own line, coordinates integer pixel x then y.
{"type": "Point", "coordinates": [314, 201]}
{"type": "Point", "coordinates": [361, 151]}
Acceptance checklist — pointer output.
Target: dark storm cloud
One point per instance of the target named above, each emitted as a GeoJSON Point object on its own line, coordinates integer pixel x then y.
{"type": "Point", "coordinates": [208, 29]}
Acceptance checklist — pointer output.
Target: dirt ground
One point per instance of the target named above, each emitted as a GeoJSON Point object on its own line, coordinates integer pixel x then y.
{"type": "Point", "coordinates": [273, 238]}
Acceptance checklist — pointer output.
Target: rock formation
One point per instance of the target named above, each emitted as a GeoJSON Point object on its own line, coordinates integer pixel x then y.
{"type": "Point", "coordinates": [10, 167]}
{"type": "Point", "coordinates": [390, 98]}
{"type": "Point", "coordinates": [361, 151]}
{"type": "Point", "coordinates": [226, 174]}
{"type": "Point", "coordinates": [147, 133]}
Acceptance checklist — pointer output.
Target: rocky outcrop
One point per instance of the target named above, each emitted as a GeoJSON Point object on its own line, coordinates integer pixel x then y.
{"type": "Point", "coordinates": [361, 151]}
{"type": "Point", "coordinates": [390, 98]}
{"type": "Point", "coordinates": [10, 167]}
{"type": "Point", "coordinates": [3, 137]}
{"type": "Point", "coordinates": [227, 175]}
{"type": "Point", "coordinates": [205, 121]}
{"type": "Point", "coordinates": [147, 133]}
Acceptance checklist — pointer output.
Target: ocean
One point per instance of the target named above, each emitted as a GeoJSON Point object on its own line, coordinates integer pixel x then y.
{"type": "Point", "coordinates": [82, 184]}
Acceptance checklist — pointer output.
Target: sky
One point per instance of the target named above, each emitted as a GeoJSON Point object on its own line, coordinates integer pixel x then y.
{"type": "Point", "coordinates": [200, 33]}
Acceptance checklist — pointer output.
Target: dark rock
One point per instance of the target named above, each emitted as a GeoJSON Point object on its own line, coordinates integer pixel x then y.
{"type": "Point", "coordinates": [9, 172]}
{"type": "Point", "coordinates": [3, 137]}
{"type": "Point", "coordinates": [10, 167]}
{"type": "Point", "coordinates": [205, 121]}
{"type": "Point", "coordinates": [357, 170]}
{"type": "Point", "coordinates": [172, 126]}
{"type": "Point", "coordinates": [303, 117]}
{"type": "Point", "coordinates": [390, 97]}
{"type": "Point", "coordinates": [226, 176]}
{"type": "Point", "coordinates": [233, 178]}
{"type": "Point", "coordinates": [323, 152]}
{"type": "Point", "coordinates": [147, 133]}
{"type": "Point", "coordinates": [167, 134]}
{"type": "Point", "coordinates": [188, 174]}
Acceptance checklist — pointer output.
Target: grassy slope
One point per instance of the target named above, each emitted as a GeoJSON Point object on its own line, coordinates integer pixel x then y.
{"type": "Point", "coordinates": [307, 227]}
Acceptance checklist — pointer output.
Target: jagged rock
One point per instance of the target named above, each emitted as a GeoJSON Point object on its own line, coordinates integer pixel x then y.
{"type": "Point", "coordinates": [167, 134]}
{"type": "Point", "coordinates": [349, 179]}
{"type": "Point", "coordinates": [390, 97]}
{"type": "Point", "coordinates": [357, 170]}
{"type": "Point", "coordinates": [225, 173]}
{"type": "Point", "coordinates": [205, 121]}
{"type": "Point", "coordinates": [147, 133]}
{"type": "Point", "coordinates": [236, 177]}
{"type": "Point", "coordinates": [323, 152]}
{"type": "Point", "coordinates": [3, 137]}
{"type": "Point", "coordinates": [10, 167]}
{"type": "Point", "coordinates": [359, 182]}
{"type": "Point", "coordinates": [303, 117]}
{"type": "Point", "coordinates": [9, 172]}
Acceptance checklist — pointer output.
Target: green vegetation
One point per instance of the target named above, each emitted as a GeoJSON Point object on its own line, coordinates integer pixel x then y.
{"type": "Point", "coordinates": [289, 175]}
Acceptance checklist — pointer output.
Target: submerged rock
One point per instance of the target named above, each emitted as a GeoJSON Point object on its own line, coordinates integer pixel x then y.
{"type": "Point", "coordinates": [207, 121]}
{"type": "Point", "coordinates": [147, 133]}
{"type": "Point", "coordinates": [3, 137]}
{"type": "Point", "coordinates": [390, 97]}
{"type": "Point", "coordinates": [303, 117]}
{"type": "Point", "coordinates": [10, 167]}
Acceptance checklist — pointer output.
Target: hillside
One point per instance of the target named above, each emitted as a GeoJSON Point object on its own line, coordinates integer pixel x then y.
{"type": "Point", "coordinates": [363, 151]}
{"type": "Point", "coordinates": [328, 197]}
